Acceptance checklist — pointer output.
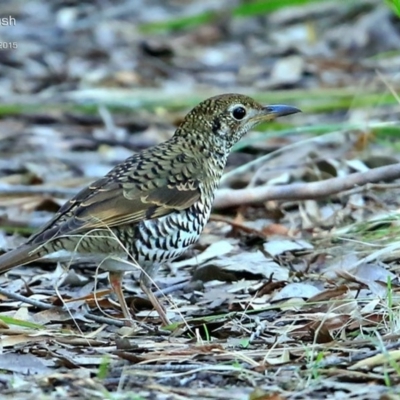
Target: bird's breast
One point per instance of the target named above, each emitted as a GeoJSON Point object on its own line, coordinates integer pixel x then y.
{"type": "Point", "coordinates": [165, 238]}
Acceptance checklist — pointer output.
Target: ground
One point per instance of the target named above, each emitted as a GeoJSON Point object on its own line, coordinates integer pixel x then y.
{"type": "Point", "coordinates": [292, 292]}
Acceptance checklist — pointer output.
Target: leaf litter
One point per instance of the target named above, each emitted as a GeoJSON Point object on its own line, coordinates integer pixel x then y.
{"type": "Point", "coordinates": [279, 300]}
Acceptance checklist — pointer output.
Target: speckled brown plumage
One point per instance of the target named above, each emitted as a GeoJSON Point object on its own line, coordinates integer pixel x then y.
{"type": "Point", "coordinates": [156, 203]}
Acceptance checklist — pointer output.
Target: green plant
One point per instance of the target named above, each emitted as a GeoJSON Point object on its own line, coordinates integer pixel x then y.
{"type": "Point", "coordinates": [103, 368]}
{"type": "Point", "coordinates": [394, 5]}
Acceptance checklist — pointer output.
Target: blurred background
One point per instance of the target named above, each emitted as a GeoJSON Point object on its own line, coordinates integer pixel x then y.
{"type": "Point", "coordinates": [85, 83]}
{"type": "Point", "coordinates": [321, 55]}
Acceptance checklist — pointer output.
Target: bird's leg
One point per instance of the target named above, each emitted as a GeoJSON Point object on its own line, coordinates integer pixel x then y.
{"type": "Point", "coordinates": [116, 268]}
{"type": "Point", "coordinates": [145, 285]}
{"type": "Point", "coordinates": [116, 284]}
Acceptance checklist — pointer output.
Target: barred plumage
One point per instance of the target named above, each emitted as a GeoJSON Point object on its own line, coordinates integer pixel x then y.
{"type": "Point", "coordinates": [154, 205]}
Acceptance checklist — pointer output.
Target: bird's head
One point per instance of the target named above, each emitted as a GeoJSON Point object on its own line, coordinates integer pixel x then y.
{"type": "Point", "coordinates": [223, 120]}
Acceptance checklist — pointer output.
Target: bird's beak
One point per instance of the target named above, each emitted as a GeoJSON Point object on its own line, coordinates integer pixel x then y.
{"type": "Point", "coordinates": [278, 110]}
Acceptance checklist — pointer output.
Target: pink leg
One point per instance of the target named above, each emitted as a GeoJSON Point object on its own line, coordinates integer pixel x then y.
{"type": "Point", "coordinates": [115, 281]}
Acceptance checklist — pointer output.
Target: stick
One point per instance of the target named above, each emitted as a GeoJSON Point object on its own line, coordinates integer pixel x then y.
{"type": "Point", "coordinates": [304, 191]}
{"type": "Point", "coordinates": [45, 306]}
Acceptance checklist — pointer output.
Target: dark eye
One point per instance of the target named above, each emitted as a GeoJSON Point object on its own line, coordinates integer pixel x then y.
{"type": "Point", "coordinates": [239, 113]}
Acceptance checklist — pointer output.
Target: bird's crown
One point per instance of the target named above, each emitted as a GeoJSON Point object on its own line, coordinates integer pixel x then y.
{"type": "Point", "coordinates": [224, 119]}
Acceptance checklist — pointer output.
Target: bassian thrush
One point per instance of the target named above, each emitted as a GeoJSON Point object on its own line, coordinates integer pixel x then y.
{"type": "Point", "coordinates": [153, 206]}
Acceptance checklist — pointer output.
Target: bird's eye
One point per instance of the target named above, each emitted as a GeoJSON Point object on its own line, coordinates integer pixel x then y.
{"type": "Point", "coordinates": [239, 113]}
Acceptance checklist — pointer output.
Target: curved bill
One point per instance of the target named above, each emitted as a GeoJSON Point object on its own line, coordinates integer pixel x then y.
{"type": "Point", "coordinates": [279, 110]}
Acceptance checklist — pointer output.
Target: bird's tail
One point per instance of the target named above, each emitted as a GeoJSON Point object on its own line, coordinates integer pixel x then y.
{"type": "Point", "coordinates": [24, 254]}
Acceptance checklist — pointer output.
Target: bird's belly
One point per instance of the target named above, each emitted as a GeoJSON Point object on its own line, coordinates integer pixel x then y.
{"type": "Point", "coordinates": [166, 238]}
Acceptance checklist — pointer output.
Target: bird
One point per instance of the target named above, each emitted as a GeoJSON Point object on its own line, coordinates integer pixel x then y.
{"type": "Point", "coordinates": [151, 207]}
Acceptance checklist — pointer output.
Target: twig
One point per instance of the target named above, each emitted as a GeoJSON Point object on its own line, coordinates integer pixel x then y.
{"type": "Point", "coordinates": [358, 357]}
{"type": "Point", "coordinates": [12, 190]}
{"type": "Point", "coordinates": [304, 191]}
{"type": "Point", "coordinates": [104, 320]}
{"type": "Point", "coordinates": [241, 227]}
{"type": "Point", "coordinates": [371, 186]}
{"type": "Point", "coordinates": [27, 300]}
{"type": "Point", "coordinates": [45, 306]}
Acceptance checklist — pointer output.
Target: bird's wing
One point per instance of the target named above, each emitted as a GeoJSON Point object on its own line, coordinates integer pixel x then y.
{"type": "Point", "coordinates": [133, 191]}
